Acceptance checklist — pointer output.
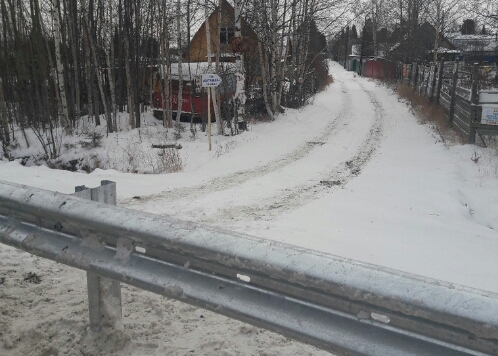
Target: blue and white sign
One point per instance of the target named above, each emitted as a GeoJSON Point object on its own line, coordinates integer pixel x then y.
{"type": "Point", "coordinates": [210, 80]}
{"type": "Point", "coordinates": [489, 115]}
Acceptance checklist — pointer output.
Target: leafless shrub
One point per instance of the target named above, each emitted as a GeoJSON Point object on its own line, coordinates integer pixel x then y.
{"type": "Point", "coordinates": [330, 79]}
{"type": "Point", "coordinates": [171, 160]}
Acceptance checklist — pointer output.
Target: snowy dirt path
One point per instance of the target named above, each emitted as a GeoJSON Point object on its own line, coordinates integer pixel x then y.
{"type": "Point", "coordinates": [323, 164]}
{"type": "Point", "coordinates": [225, 182]}
{"type": "Point", "coordinates": [332, 175]}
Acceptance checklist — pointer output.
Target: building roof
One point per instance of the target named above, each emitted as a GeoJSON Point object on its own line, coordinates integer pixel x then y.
{"type": "Point", "coordinates": [191, 71]}
{"type": "Point", "coordinates": [474, 43]}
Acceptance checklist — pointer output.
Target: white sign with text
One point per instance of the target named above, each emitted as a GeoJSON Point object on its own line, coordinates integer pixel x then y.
{"type": "Point", "coordinates": [210, 80]}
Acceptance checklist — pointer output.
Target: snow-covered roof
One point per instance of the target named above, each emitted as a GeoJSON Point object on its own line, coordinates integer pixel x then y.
{"type": "Point", "coordinates": [472, 43]}
{"type": "Point", "coordinates": [356, 50]}
{"type": "Point", "coordinates": [191, 71]}
{"type": "Point", "coordinates": [459, 36]}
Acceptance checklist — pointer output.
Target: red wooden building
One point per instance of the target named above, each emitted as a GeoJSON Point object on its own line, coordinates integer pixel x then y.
{"type": "Point", "coordinates": [193, 95]}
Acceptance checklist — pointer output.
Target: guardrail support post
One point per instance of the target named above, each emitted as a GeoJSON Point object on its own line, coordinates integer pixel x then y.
{"type": "Point", "coordinates": [104, 294]}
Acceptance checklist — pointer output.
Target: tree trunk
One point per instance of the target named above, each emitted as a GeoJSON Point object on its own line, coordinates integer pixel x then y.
{"type": "Point", "coordinates": [73, 23]}
{"type": "Point", "coordinates": [180, 64]}
{"type": "Point", "coordinates": [96, 66]}
{"type": "Point", "coordinates": [438, 30]}
{"type": "Point", "coordinates": [375, 13]}
{"type": "Point", "coordinates": [136, 50]}
{"type": "Point", "coordinates": [275, 56]}
{"type": "Point", "coordinates": [282, 62]}
{"type": "Point", "coordinates": [264, 77]}
{"type": "Point", "coordinates": [109, 51]}
{"type": "Point", "coordinates": [217, 98]}
{"type": "Point", "coordinates": [240, 94]}
{"type": "Point", "coordinates": [60, 69]}
{"type": "Point", "coordinates": [129, 82]}
{"type": "Point", "coordinates": [165, 73]}
{"type": "Point", "coordinates": [4, 121]}
{"type": "Point", "coordinates": [89, 78]}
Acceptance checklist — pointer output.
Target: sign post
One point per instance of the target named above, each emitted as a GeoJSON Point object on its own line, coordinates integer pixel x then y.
{"type": "Point", "coordinates": [208, 81]}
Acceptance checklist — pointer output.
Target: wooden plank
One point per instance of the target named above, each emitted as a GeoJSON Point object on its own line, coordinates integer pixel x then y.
{"type": "Point", "coordinates": [463, 113]}
{"type": "Point", "coordinates": [489, 132]}
{"type": "Point", "coordinates": [446, 96]}
{"type": "Point", "coordinates": [484, 126]}
{"type": "Point", "coordinates": [465, 98]}
{"type": "Point", "coordinates": [444, 101]}
{"type": "Point", "coordinates": [462, 119]}
{"type": "Point", "coordinates": [463, 92]}
{"type": "Point", "coordinates": [464, 106]}
{"type": "Point", "coordinates": [464, 130]}
{"type": "Point", "coordinates": [172, 145]}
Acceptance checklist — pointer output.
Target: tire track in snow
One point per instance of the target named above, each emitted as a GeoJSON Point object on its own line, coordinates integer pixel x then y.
{"type": "Point", "coordinates": [234, 179]}
{"type": "Point", "coordinates": [333, 179]}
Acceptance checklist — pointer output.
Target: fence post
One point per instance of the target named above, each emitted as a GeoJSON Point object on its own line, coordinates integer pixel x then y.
{"type": "Point", "coordinates": [453, 91]}
{"type": "Point", "coordinates": [474, 99]}
{"type": "Point", "coordinates": [421, 80]}
{"type": "Point", "coordinates": [475, 81]}
{"type": "Point", "coordinates": [415, 76]}
{"type": "Point", "coordinates": [433, 84]}
{"type": "Point", "coordinates": [104, 294]}
{"type": "Point", "coordinates": [439, 81]}
{"type": "Point", "coordinates": [427, 82]}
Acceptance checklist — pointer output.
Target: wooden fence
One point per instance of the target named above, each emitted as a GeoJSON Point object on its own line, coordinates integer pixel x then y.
{"type": "Point", "coordinates": [455, 86]}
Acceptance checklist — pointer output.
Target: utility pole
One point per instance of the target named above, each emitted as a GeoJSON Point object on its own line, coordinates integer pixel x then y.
{"type": "Point", "coordinates": [360, 69]}
{"type": "Point", "coordinates": [346, 50]}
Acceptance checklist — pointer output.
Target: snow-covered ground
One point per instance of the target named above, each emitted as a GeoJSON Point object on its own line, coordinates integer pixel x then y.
{"type": "Point", "coordinates": [352, 174]}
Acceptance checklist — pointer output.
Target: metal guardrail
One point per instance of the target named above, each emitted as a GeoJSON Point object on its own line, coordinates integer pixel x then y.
{"type": "Point", "coordinates": [340, 305]}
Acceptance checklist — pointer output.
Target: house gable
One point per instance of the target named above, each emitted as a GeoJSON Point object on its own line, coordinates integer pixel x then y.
{"type": "Point", "coordinates": [197, 51]}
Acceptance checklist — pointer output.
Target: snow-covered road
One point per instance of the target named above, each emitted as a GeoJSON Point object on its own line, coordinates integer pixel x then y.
{"type": "Point", "coordinates": [328, 152]}
{"type": "Point", "coordinates": [363, 180]}
{"type": "Point", "coordinates": [352, 174]}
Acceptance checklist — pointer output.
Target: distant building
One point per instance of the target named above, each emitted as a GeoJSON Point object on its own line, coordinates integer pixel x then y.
{"type": "Point", "coordinates": [420, 45]}
{"type": "Point", "coordinates": [480, 48]}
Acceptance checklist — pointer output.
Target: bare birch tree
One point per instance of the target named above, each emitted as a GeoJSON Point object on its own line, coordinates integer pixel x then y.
{"type": "Point", "coordinates": [240, 94]}
{"type": "Point", "coordinates": [180, 62]}
{"type": "Point", "coordinates": [440, 14]}
{"type": "Point", "coordinates": [4, 122]}
{"type": "Point", "coordinates": [109, 54]}
{"type": "Point", "coordinates": [64, 117]}
{"type": "Point", "coordinates": [216, 98]}
{"type": "Point", "coordinates": [165, 68]}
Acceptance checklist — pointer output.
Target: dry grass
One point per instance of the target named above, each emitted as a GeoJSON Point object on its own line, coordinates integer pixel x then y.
{"type": "Point", "coordinates": [330, 79]}
{"type": "Point", "coordinates": [171, 160]}
{"type": "Point", "coordinates": [428, 113]}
